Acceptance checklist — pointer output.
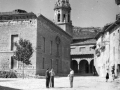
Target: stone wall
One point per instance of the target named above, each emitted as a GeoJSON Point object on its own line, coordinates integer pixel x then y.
{"type": "Point", "coordinates": [25, 29]}
{"type": "Point", "coordinates": [61, 62]}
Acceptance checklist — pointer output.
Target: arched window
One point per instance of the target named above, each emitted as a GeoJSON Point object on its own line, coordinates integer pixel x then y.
{"type": "Point", "coordinates": [58, 17]}
{"type": "Point", "coordinates": [63, 17]}
{"type": "Point", "coordinates": [68, 17]}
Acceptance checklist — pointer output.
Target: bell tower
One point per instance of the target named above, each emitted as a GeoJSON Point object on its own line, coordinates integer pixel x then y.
{"type": "Point", "coordinates": [118, 3]}
{"type": "Point", "coordinates": [62, 15]}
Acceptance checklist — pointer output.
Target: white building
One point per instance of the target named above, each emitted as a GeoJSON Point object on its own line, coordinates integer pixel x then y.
{"type": "Point", "coordinates": [107, 49]}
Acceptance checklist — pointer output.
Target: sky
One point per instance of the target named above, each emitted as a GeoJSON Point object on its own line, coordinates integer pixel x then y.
{"type": "Point", "coordinates": [84, 13]}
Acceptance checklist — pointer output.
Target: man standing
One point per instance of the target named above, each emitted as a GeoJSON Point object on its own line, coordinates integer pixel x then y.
{"type": "Point", "coordinates": [52, 74]}
{"type": "Point", "coordinates": [71, 76]}
{"type": "Point", "coordinates": [47, 75]}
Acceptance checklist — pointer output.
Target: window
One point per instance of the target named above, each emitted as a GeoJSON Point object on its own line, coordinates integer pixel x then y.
{"type": "Point", "coordinates": [44, 44]}
{"type": "Point", "coordinates": [13, 63]}
{"type": "Point", "coordinates": [51, 63]}
{"type": "Point", "coordinates": [90, 48]}
{"type": "Point", "coordinates": [58, 17]}
{"type": "Point", "coordinates": [63, 17]}
{"type": "Point", "coordinates": [51, 47]}
{"type": "Point", "coordinates": [57, 64]}
{"type": "Point", "coordinates": [82, 48]}
{"type": "Point", "coordinates": [57, 49]}
{"type": "Point", "coordinates": [43, 63]}
{"type": "Point", "coordinates": [14, 39]}
{"type": "Point", "coordinates": [68, 17]}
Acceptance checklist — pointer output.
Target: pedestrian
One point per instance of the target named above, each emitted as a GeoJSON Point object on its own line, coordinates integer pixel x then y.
{"type": "Point", "coordinates": [52, 74]}
{"type": "Point", "coordinates": [71, 76]}
{"type": "Point", "coordinates": [47, 75]}
{"type": "Point", "coordinates": [113, 73]}
{"type": "Point", "coordinates": [107, 76]}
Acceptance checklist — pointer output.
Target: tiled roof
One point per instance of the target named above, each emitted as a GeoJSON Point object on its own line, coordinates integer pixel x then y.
{"type": "Point", "coordinates": [84, 42]}
{"type": "Point", "coordinates": [85, 33]}
{"type": "Point", "coordinates": [17, 14]}
{"type": "Point", "coordinates": [16, 11]}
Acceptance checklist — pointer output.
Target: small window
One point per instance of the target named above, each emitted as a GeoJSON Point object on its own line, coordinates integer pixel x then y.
{"type": "Point", "coordinates": [14, 39]}
{"type": "Point", "coordinates": [43, 63]}
{"type": "Point", "coordinates": [44, 44]}
{"type": "Point", "coordinates": [90, 48]}
{"type": "Point", "coordinates": [58, 17]}
{"type": "Point", "coordinates": [68, 17]}
{"type": "Point", "coordinates": [63, 17]}
{"type": "Point", "coordinates": [13, 63]}
{"type": "Point", "coordinates": [51, 47]}
{"type": "Point", "coordinates": [82, 48]}
{"type": "Point", "coordinates": [51, 63]}
{"type": "Point", "coordinates": [118, 31]}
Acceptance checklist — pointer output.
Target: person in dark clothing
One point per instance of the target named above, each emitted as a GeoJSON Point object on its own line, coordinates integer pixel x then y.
{"type": "Point", "coordinates": [107, 76]}
{"type": "Point", "coordinates": [113, 73]}
{"type": "Point", "coordinates": [47, 75]}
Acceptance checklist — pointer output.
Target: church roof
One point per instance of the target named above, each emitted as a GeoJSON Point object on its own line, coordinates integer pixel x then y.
{"type": "Point", "coordinates": [85, 33]}
{"type": "Point", "coordinates": [54, 26]}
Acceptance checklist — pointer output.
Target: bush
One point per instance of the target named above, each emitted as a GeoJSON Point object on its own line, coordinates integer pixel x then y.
{"type": "Point", "coordinates": [7, 74]}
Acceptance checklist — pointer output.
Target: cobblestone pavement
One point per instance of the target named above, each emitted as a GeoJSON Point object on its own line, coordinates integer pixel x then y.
{"type": "Point", "coordinates": [80, 83]}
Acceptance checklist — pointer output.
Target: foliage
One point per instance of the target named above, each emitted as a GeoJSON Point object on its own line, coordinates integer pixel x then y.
{"type": "Point", "coordinates": [23, 51]}
{"type": "Point", "coordinates": [7, 74]}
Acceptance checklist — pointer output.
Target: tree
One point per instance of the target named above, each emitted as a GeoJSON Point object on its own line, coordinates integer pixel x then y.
{"type": "Point", "coordinates": [23, 52]}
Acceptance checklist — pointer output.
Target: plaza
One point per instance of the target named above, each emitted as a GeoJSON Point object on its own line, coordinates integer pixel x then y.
{"type": "Point", "coordinates": [61, 83]}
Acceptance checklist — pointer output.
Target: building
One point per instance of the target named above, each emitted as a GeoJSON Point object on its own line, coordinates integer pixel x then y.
{"type": "Point", "coordinates": [108, 48]}
{"type": "Point", "coordinates": [51, 44]}
{"type": "Point", "coordinates": [82, 50]}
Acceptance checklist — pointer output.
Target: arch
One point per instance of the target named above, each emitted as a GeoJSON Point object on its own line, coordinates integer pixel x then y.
{"type": "Point", "coordinates": [91, 66]}
{"type": "Point", "coordinates": [74, 66]}
{"type": "Point", "coordinates": [83, 67]}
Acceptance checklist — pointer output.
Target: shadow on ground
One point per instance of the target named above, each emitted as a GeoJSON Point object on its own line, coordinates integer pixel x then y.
{"type": "Point", "coordinates": [7, 88]}
{"type": "Point", "coordinates": [61, 87]}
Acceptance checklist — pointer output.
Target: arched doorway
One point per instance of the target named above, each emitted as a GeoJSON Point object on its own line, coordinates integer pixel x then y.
{"type": "Point", "coordinates": [83, 67]}
{"type": "Point", "coordinates": [92, 66]}
{"type": "Point", "coordinates": [74, 66]}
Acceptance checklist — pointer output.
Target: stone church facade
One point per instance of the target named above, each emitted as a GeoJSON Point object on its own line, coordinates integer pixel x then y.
{"type": "Point", "coordinates": [51, 43]}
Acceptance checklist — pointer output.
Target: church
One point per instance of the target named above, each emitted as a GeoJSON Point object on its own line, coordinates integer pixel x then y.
{"type": "Point", "coordinates": [50, 40]}
{"type": "Point", "coordinates": [57, 44]}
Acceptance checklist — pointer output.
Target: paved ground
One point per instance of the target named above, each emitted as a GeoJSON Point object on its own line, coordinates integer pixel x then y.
{"type": "Point", "coordinates": [61, 83]}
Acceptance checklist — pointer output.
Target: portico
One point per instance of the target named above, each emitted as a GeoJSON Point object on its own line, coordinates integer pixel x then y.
{"type": "Point", "coordinates": [83, 65]}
